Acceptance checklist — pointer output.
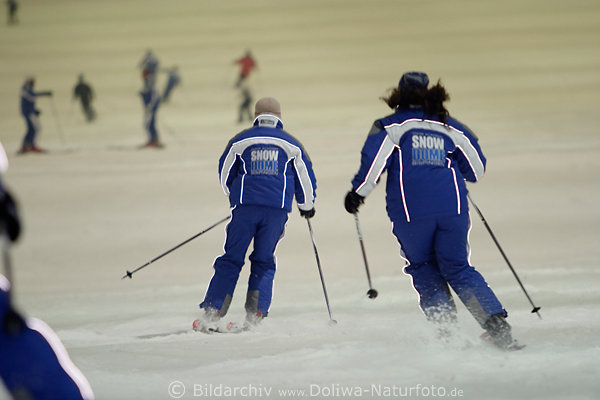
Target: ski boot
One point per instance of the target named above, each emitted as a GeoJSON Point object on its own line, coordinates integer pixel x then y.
{"type": "Point", "coordinates": [208, 322]}
{"type": "Point", "coordinates": [499, 333]}
{"type": "Point", "coordinates": [252, 320]}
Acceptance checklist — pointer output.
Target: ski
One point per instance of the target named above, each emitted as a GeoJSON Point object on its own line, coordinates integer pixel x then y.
{"type": "Point", "coordinates": [198, 326]}
{"type": "Point", "coordinates": [514, 346]}
{"type": "Point", "coordinates": [231, 327]}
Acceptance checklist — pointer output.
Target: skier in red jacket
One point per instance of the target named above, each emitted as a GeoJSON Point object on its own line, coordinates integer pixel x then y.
{"type": "Point", "coordinates": [247, 64]}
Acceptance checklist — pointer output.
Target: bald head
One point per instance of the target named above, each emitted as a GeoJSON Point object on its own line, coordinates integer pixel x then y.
{"type": "Point", "coordinates": [267, 105]}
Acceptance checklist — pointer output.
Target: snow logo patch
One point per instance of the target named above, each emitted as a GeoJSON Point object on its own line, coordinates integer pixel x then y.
{"type": "Point", "coordinates": [264, 161]}
{"type": "Point", "coordinates": [428, 149]}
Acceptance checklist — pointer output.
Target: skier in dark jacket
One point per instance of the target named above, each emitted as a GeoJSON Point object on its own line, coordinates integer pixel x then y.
{"type": "Point", "coordinates": [83, 91]}
{"type": "Point", "coordinates": [244, 109]}
{"type": "Point", "coordinates": [428, 156]}
{"type": "Point", "coordinates": [13, 6]}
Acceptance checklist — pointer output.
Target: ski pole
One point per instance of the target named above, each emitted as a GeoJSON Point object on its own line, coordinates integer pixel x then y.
{"type": "Point", "coordinates": [312, 236]}
{"type": "Point", "coordinates": [535, 308]}
{"type": "Point", "coordinates": [129, 274]}
{"type": "Point", "coordinates": [372, 293]}
{"type": "Point", "coordinates": [56, 120]}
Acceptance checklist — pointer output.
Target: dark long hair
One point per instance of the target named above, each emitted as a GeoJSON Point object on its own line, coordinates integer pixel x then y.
{"type": "Point", "coordinates": [432, 100]}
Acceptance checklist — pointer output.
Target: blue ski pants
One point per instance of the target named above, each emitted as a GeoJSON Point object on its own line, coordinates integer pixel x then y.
{"type": "Point", "coordinates": [150, 125]}
{"type": "Point", "coordinates": [33, 128]}
{"type": "Point", "coordinates": [266, 225]}
{"type": "Point", "coordinates": [437, 251]}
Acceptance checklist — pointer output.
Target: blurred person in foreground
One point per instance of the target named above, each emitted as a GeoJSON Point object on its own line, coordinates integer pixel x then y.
{"type": "Point", "coordinates": [428, 155]}
{"type": "Point", "coordinates": [31, 115]}
{"type": "Point", "coordinates": [34, 364]}
{"type": "Point", "coordinates": [261, 170]}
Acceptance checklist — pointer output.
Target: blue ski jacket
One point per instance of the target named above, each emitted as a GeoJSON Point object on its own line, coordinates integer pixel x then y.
{"type": "Point", "coordinates": [34, 360]}
{"type": "Point", "coordinates": [264, 165]}
{"type": "Point", "coordinates": [427, 163]}
{"type": "Point", "coordinates": [28, 97]}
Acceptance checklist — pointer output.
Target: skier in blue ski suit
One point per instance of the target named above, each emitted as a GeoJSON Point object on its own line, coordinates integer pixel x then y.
{"type": "Point", "coordinates": [33, 362]}
{"type": "Point", "coordinates": [261, 170]}
{"type": "Point", "coordinates": [151, 101]}
{"type": "Point", "coordinates": [31, 114]}
{"type": "Point", "coordinates": [428, 155]}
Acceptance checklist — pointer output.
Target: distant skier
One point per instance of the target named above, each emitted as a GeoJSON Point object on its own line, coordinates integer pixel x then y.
{"type": "Point", "coordinates": [261, 170]}
{"type": "Point", "coordinates": [245, 108]}
{"type": "Point", "coordinates": [31, 115]}
{"type": "Point", "coordinates": [173, 80]}
{"type": "Point", "coordinates": [151, 101]}
{"type": "Point", "coordinates": [83, 91]}
{"type": "Point", "coordinates": [247, 65]}
{"type": "Point", "coordinates": [13, 6]}
{"type": "Point", "coordinates": [34, 364]}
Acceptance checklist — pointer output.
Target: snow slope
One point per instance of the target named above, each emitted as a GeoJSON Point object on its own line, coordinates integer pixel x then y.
{"type": "Point", "coordinates": [524, 75]}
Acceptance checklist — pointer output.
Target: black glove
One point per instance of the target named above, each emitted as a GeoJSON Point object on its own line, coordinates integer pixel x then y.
{"type": "Point", "coordinates": [307, 213]}
{"type": "Point", "coordinates": [352, 201]}
{"type": "Point", "coordinates": [9, 218]}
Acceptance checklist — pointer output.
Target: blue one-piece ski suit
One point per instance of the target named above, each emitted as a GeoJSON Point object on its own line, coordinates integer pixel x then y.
{"type": "Point", "coordinates": [427, 163]}
{"type": "Point", "coordinates": [261, 170]}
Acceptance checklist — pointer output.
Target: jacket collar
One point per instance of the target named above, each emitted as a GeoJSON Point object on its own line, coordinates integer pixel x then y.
{"type": "Point", "coordinates": [269, 121]}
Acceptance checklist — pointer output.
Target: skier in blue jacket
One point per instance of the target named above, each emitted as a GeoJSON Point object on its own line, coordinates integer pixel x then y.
{"type": "Point", "coordinates": [31, 114]}
{"type": "Point", "coordinates": [428, 155]}
{"type": "Point", "coordinates": [261, 170]}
